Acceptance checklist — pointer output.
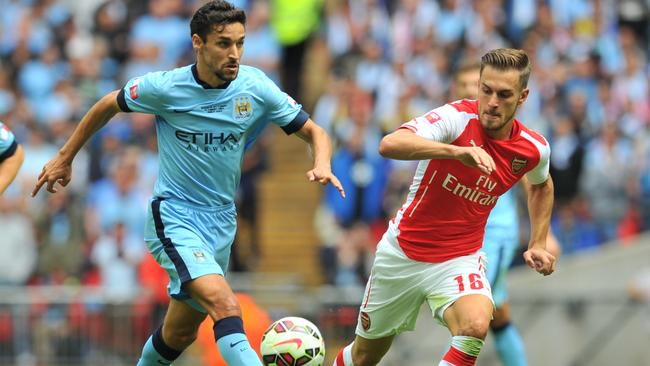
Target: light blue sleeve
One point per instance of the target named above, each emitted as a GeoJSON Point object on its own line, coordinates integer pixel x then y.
{"type": "Point", "coordinates": [281, 109]}
{"type": "Point", "coordinates": [7, 142]}
{"type": "Point", "coordinates": [143, 94]}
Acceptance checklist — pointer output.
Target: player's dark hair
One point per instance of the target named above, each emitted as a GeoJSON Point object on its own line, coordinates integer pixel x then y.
{"type": "Point", "coordinates": [508, 59]}
{"type": "Point", "coordinates": [215, 13]}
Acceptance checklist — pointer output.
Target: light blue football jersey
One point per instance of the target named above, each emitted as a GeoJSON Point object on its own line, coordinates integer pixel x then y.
{"type": "Point", "coordinates": [504, 214]}
{"type": "Point", "coordinates": [8, 143]}
{"type": "Point", "coordinates": [203, 131]}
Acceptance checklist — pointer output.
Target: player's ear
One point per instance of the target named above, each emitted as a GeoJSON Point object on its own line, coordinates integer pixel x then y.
{"type": "Point", "coordinates": [523, 96]}
{"type": "Point", "coordinates": [197, 42]}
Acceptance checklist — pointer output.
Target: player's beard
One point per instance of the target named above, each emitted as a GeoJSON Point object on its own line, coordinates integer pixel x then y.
{"type": "Point", "coordinates": [226, 75]}
{"type": "Point", "coordinates": [498, 125]}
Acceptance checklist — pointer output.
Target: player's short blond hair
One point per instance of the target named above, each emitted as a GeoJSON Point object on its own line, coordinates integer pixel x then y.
{"type": "Point", "coordinates": [508, 59]}
{"type": "Point", "coordinates": [467, 66]}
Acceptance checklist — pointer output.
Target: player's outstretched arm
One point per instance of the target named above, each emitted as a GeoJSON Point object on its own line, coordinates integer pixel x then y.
{"type": "Point", "coordinates": [403, 144]}
{"type": "Point", "coordinates": [9, 168]}
{"type": "Point", "coordinates": [552, 243]}
{"type": "Point", "coordinates": [321, 147]}
{"type": "Point", "coordinates": [59, 169]}
{"type": "Point", "coordinates": [540, 205]}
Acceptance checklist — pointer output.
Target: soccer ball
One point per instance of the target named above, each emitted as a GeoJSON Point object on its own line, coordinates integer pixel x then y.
{"type": "Point", "coordinates": [292, 341]}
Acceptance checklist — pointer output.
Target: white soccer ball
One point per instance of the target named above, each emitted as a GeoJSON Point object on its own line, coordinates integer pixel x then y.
{"type": "Point", "coordinates": [292, 341]}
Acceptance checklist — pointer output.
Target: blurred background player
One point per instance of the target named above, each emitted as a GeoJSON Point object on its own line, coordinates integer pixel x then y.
{"type": "Point", "coordinates": [501, 242]}
{"type": "Point", "coordinates": [11, 157]}
{"type": "Point", "coordinates": [471, 152]}
{"type": "Point", "coordinates": [206, 114]}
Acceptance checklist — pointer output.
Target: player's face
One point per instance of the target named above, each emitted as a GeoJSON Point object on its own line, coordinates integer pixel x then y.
{"type": "Point", "coordinates": [222, 50]}
{"type": "Point", "coordinates": [467, 84]}
{"type": "Point", "coordinates": [499, 96]}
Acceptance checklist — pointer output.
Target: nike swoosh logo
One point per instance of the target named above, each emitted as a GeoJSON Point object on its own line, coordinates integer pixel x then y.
{"type": "Point", "coordinates": [297, 341]}
{"type": "Point", "coordinates": [183, 110]}
{"type": "Point", "coordinates": [164, 362]}
{"type": "Point", "coordinates": [236, 343]}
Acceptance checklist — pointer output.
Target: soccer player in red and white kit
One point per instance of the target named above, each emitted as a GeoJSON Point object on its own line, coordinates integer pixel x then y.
{"type": "Point", "coordinates": [470, 153]}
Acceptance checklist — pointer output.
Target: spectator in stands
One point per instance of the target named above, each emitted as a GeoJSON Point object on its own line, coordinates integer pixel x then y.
{"type": "Point", "coordinates": [60, 234]}
{"type": "Point", "coordinates": [294, 23]}
{"type": "Point", "coordinates": [117, 254]}
{"type": "Point", "coordinates": [605, 182]}
{"type": "Point", "coordinates": [363, 174]}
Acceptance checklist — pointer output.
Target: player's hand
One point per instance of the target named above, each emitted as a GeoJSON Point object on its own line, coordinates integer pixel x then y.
{"type": "Point", "coordinates": [475, 156]}
{"type": "Point", "coordinates": [540, 260]}
{"type": "Point", "coordinates": [57, 170]}
{"type": "Point", "coordinates": [324, 176]}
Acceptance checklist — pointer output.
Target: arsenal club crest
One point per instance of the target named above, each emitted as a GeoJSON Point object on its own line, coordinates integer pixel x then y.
{"type": "Point", "coordinates": [518, 164]}
{"type": "Point", "coordinates": [365, 320]}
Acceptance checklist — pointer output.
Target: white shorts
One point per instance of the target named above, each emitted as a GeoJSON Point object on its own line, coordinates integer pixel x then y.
{"type": "Point", "coordinates": [398, 286]}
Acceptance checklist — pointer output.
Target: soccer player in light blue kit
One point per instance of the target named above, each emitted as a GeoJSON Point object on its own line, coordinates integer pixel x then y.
{"type": "Point", "coordinates": [11, 157]}
{"type": "Point", "coordinates": [500, 243]}
{"type": "Point", "coordinates": [206, 114]}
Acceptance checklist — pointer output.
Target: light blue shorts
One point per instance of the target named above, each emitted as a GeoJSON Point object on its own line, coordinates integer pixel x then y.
{"type": "Point", "coordinates": [500, 246]}
{"type": "Point", "coordinates": [189, 241]}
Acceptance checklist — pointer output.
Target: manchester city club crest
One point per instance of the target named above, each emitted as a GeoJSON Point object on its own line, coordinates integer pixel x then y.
{"type": "Point", "coordinates": [518, 164]}
{"type": "Point", "coordinates": [243, 109]}
{"type": "Point", "coordinates": [199, 256]}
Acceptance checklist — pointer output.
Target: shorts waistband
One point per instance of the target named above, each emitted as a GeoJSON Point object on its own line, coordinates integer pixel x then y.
{"type": "Point", "coordinates": [194, 206]}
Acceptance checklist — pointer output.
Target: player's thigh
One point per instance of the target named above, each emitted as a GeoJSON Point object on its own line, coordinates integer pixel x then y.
{"type": "Point", "coordinates": [181, 320]}
{"type": "Point", "coordinates": [393, 294]}
{"type": "Point", "coordinates": [213, 294]}
{"type": "Point", "coordinates": [470, 315]}
{"type": "Point", "coordinates": [370, 351]}
{"type": "Point", "coordinates": [189, 243]}
{"type": "Point", "coordinates": [454, 280]}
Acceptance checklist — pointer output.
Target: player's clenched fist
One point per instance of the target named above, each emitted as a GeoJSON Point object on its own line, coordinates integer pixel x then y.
{"type": "Point", "coordinates": [540, 260]}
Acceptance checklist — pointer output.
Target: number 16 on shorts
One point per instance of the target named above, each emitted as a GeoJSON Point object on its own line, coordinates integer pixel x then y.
{"type": "Point", "coordinates": [473, 280]}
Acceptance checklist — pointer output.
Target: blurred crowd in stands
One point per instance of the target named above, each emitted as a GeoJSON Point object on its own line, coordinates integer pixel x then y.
{"type": "Point", "coordinates": [361, 68]}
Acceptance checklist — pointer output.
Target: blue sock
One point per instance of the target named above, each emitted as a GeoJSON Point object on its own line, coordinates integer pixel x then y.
{"type": "Point", "coordinates": [233, 344]}
{"type": "Point", "coordinates": [156, 352]}
{"type": "Point", "coordinates": [509, 345]}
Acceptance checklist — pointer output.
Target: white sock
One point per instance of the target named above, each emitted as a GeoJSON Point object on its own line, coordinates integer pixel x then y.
{"type": "Point", "coordinates": [344, 357]}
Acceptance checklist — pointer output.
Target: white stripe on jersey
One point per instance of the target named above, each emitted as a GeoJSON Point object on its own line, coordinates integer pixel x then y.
{"type": "Point", "coordinates": [423, 193]}
{"type": "Point", "coordinates": [442, 124]}
{"type": "Point", "coordinates": [393, 226]}
{"type": "Point", "coordinates": [540, 173]}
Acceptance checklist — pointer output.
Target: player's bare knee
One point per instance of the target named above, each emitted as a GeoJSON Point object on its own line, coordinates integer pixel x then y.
{"type": "Point", "coordinates": [476, 327]}
{"type": "Point", "coordinates": [219, 306]}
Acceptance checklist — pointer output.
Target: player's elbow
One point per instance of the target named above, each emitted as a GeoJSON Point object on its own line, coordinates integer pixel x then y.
{"type": "Point", "coordinates": [388, 147]}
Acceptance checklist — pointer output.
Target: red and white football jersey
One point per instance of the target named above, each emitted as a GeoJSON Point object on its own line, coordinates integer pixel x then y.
{"type": "Point", "coordinates": [448, 203]}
